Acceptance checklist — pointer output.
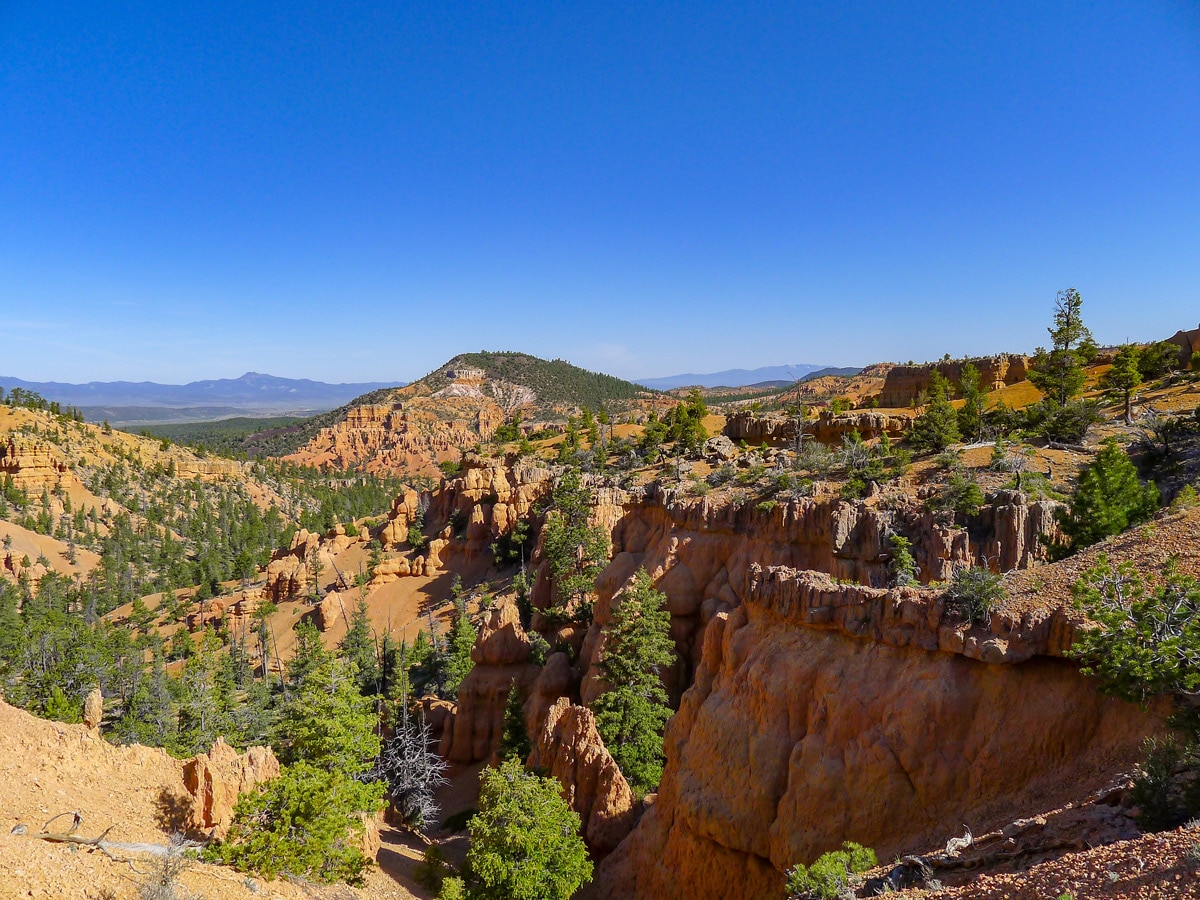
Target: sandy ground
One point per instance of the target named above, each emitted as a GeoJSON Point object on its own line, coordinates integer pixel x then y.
{"type": "Point", "coordinates": [52, 768]}
{"type": "Point", "coordinates": [31, 544]}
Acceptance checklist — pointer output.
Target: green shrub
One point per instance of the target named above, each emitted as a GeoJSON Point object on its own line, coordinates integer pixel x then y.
{"type": "Point", "coordinates": [975, 593]}
{"type": "Point", "coordinates": [433, 869]}
{"type": "Point", "coordinates": [961, 494]}
{"type": "Point", "coordinates": [903, 567]}
{"type": "Point", "coordinates": [1187, 498]}
{"type": "Point", "coordinates": [831, 874]}
{"type": "Point", "coordinates": [304, 824]}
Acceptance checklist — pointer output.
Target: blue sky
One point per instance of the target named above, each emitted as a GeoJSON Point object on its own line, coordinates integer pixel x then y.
{"type": "Point", "coordinates": [358, 191]}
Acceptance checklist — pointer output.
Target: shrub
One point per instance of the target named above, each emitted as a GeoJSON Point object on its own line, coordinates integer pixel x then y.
{"type": "Point", "coordinates": [1153, 791]}
{"type": "Point", "coordinates": [304, 824]}
{"type": "Point", "coordinates": [961, 494]}
{"type": "Point", "coordinates": [1185, 499]}
{"type": "Point", "coordinates": [975, 593]}
{"type": "Point", "coordinates": [903, 567]}
{"type": "Point", "coordinates": [1147, 642]}
{"type": "Point", "coordinates": [831, 874]}
{"type": "Point", "coordinates": [433, 869]}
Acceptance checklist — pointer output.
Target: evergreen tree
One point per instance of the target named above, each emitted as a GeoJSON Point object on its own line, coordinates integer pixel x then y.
{"type": "Point", "coordinates": [329, 723]}
{"type": "Point", "coordinates": [575, 550]}
{"type": "Point", "coordinates": [306, 824]}
{"type": "Point", "coordinates": [632, 713]}
{"type": "Point", "coordinates": [1124, 377]}
{"type": "Point", "coordinates": [970, 414]}
{"type": "Point", "coordinates": [309, 655]}
{"type": "Point", "coordinates": [462, 639]}
{"type": "Point", "coordinates": [358, 648]}
{"type": "Point", "coordinates": [60, 708]}
{"type": "Point", "coordinates": [205, 700]}
{"type": "Point", "coordinates": [937, 427]}
{"type": "Point", "coordinates": [514, 743]}
{"type": "Point", "coordinates": [1108, 498]}
{"type": "Point", "coordinates": [1058, 372]}
{"type": "Point", "coordinates": [525, 842]}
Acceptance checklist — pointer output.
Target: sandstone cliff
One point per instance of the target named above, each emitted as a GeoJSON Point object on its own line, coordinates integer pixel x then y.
{"type": "Point", "coordinates": [904, 383]}
{"type": "Point", "coordinates": [852, 718]}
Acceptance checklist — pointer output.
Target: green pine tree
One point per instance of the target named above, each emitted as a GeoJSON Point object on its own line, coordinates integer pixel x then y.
{"type": "Point", "coordinates": [1108, 498]}
{"type": "Point", "coordinates": [1124, 377]}
{"type": "Point", "coordinates": [525, 842]}
{"type": "Point", "coordinates": [970, 414]}
{"type": "Point", "coordinates": [514, 742]}
{"type": "Point", "coordinates": [329, 723]}
{"type": "Point", "coordinates": [462, 639]}
{"type": "Point", "coordinates": [358, 648]}
{"type": "Point", "coordinates": [937, 427]}
{"type": "Point", "coordinates": [575, 550]}
{"type": "Point", "coordinates": [1058, 372]}
{"type": "Point", "coordinates": [633, 712]}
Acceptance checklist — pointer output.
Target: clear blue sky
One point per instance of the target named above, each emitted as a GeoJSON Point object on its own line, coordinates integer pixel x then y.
{"type": "Point", "coordinates": [357, 191]}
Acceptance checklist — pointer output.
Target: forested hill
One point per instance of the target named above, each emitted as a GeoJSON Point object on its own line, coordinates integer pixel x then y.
{"type": "Point", "coordinates": [555, 382]}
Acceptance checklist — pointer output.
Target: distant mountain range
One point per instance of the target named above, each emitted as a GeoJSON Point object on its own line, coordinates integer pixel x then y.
{"type": "Point", "coordinates": [197, 400]}
{"type": "Point", "coordinates": [743, 377]}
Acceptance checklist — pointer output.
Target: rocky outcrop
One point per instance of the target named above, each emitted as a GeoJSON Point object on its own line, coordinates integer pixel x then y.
{"type": "Point", "coordinates": [93, 708]}
{"type": "Point", "coordinates": [699, 552]}
{"type": "Point", "coordinates": [569, 748]}
{"type": "Point", "coordinates": [216, 778]}
{"type": "Point", "coordinates": [473, 730]}
{"type": "Point", "coordinates": [904, 384]}
{"type": "Point", "coordinates": [32, 465]}
{"type": "Point", "coordinates": [829, 428]}
{"type": "Point", "coordinates": [288, 574]}
{"type": "Point", "coordinates": [853, 718]}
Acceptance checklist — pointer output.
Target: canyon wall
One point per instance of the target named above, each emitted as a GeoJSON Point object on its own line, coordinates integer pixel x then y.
{"type": "Point", "coordinates": [822, 713]}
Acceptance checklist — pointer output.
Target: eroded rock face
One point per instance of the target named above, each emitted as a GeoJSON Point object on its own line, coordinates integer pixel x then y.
{"type": "Point", "coordinates": [904, 383]}
{"type": "Point", "coordinates": [569, 748]}
{"type": "Point", "coordinates": [828, 428]}
{"type": "Point", "coordinates": [216, 778]}
{"type": "Point", "coordinates": [881, 738]}
{"type": "Point", "coordinates": [700, 553]}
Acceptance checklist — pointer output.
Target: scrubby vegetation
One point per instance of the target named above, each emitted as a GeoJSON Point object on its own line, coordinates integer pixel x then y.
{"type": "Point", "coordinates": [829, 877]}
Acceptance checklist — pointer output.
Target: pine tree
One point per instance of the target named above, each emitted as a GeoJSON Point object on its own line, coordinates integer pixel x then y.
{"type": "Point", "coordinates": [937, 427]}
{"type": "Point", "coordinates": [514, 742]}
{"type": "Point", "coordinates": [1108, 498]}
{"type": "Point", "coordinates": [1058, 372]}
{"type": "Point", "coordinates": [633, 712]}
{"type": "Point", "coordinates": [970, 414]}
{"type": "Point", "coordinates": [329, 723]}
{"type": "Point", "coordinates": [358, 648]}
{"type": "Point", "coordinates": [309, 655]}
{"type": "Point", "coordinates": [525, 842]}
{"type": "Point", "coordinates": [462, 639]}
{"type": "Point", "coordinates": [1124, 377]}
{"type": "Point", "coordinates": [575, 550]}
